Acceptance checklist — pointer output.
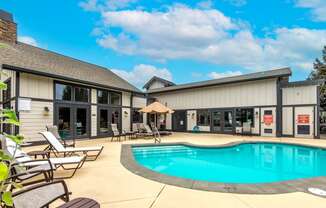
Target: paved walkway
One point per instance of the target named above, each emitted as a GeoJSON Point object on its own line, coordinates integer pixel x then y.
{"type": "Point", "coordinates": [108, 182]}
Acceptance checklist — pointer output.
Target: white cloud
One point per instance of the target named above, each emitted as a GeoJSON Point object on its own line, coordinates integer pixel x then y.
{"type": "Point", "coordinates": [318, 8]}
{"type": "Point", "coordinates": [208, 35]}
{"type": "Point", "coordinates": [101, 5]}
{"type": "Point", "coordinates": [28, 40]}
{"type": "Point", "coordinates": [217, 75]}
{"type": "Point", "coordinates": [142, 73]}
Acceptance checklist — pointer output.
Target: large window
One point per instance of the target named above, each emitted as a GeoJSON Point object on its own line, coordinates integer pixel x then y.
{"type": "Point", "coordinates": [71, 93]}
{"type": "Point", "coordinates": [203, 118]}
{"type": "Point", "coordinates": [115, 98]}
{"type": "Point", "coordinates": [63, 92]}
{"type": "Point", "coordinates": [81, 94]}
{"type": "Point", "coordinates": [137, 117]}
{"type": "Point", "coordinates": [245, 115]}
{"type": "Point", "coordinates": [102, 96]}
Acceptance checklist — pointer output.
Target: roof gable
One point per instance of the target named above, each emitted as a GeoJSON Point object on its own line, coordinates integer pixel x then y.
{"type": "Point", "coordinates": [166, 83]}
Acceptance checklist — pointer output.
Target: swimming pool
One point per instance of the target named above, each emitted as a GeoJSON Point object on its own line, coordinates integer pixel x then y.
{"type": "Point", "coordinates": [246, 163]}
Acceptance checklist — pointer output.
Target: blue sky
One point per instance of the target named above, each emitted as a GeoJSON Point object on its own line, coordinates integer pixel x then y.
{"type": "Point", "coordinates": [182, 41]}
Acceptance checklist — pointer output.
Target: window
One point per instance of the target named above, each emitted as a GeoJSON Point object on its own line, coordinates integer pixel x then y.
{"type": "Point", "coordinates": [244, 115]}
{"type": "Point", "coordinates": [137, 117]}
{"type": "Point", "coordinates": [63, 92]}
{"type": "Point", "coordinates": [81, 94]}
{"type": "Point", "coordinates": [203, 118]}
{"type": "Point", "coordinates": [115, 98]}
{"type": "Point", "coordinates": [102, 97]}
{"type": "Point", "coordinates": [6, 94]}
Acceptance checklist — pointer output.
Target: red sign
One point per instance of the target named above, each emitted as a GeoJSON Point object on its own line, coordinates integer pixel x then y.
{"type": "Point", "coordinates": [303, 119]}
{"type": "Point", "coordinates": [268, 119]}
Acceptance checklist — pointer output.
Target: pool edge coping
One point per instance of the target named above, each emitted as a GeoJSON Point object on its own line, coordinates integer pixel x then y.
{"type": "Point", "coordinates": [298, 185]}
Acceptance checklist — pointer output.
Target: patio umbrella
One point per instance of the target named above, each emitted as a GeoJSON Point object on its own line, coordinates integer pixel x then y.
{"type": "Point", "coordinates": [156, 108]}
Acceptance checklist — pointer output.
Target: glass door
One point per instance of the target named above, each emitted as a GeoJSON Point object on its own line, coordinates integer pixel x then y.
{"type": "Point", "coordinates": [103, 121]}
{"type": "Point", "coordinates": [228, 121]}
{"type": "Point", "coordinates": [81, 122]}
{"type": "Point", "coordinates": [72, 121]}
{"type": "Point", "coordinates": [216, 121]}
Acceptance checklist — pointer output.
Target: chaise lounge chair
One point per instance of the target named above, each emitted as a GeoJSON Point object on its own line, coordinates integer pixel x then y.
{"type": "Point", "coordinates": [57, 148]}
{"type": "Point", "coordinates": [43, 195]}
{"type": "Point", "coordinates": [116, 133]}
{"type": "Point", "coordinates": [33, 167]}
{"type": "Point", "coordinates": [66, 143]}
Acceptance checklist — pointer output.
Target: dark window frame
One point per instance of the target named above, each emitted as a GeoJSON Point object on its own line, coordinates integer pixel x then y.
{"type": "Point", "coordinates": [207, 117]}
{"type": "Point", "coordinates": [242, 110]}
{"type": "Point", "coordinates": [73, 97]}
{"type": "Point", "coordinates": [97, 96]}
{"type": "Point", "coordinates": [140, 115]}
{"type": "Point", "coordinates": [110, 98]}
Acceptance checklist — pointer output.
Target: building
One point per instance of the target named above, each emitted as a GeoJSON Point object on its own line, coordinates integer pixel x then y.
{"type": "Point", "coordinates": [46, 88]}
{"type": "Point", "coordinates": [267, 100]}
{"type": "Point", "coordinates": [82, 99]}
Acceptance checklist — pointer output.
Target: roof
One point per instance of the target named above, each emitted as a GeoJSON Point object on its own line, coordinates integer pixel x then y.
{"type": "Point", "coordinates": [303, 83]}
{"type": "Point", "coordinates": [30, 59]}
{"type": "Point", "coordinates": [155, 78]}
{"type": "Point", "coordinates": [283, 72]}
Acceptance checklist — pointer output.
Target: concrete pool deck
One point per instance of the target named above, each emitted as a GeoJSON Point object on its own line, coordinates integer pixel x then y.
{"type": "Point", "coordinates": [111, 184]}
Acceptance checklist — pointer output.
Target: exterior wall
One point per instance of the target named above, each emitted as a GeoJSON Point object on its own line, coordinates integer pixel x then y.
{"type": "Point", "coordinates": [287, 121]}
{"type": "Point", "coordinates": [126, 119]}
{"type": "Point", "coordinates": [156, 84]}
{"type": "Point", "coordinates": [34, 86]}
{"type": "Point", "coordinates": [299, 95]}
{"type": "Point", "coordinates": [126, 96]}
{"type": "Point", "coordinates": [254, 93]}
{"type": "Point", "coordinates": [93, 120]}
{"type": "Point", "coordinates": [35, 120]}
{"type": "Point", "coordinates": [191, 119]}
{"type": "Point", "coordinates": [94, 96]}
{"type": "Point", "coordinates": [255, 129]}
{"type": "Point", "coordinates": [139, 102]}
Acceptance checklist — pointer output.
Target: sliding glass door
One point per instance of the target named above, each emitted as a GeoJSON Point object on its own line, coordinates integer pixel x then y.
{"type": "Point", "coordinates": [106, 117]}
{"type": "Point", "coordinates": [72, 120]}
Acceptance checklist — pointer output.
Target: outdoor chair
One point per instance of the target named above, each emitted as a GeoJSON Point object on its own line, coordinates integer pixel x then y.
{"type": "Point", "coordinates": [246, 128]}
{"type": "Point", "coordinates": [58, 149]}
{"type": "Point", "coordinates": [66, 142]}
{"type": "Point", "coordinates": [26, 167]}
{"type": "Point", "coordinates": [116, 133]}
{"type": "Point", "coordinates": [43, 195]}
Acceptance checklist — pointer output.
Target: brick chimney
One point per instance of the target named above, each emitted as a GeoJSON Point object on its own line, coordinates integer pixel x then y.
{"type": "Point", "coordinates": [8, 29]}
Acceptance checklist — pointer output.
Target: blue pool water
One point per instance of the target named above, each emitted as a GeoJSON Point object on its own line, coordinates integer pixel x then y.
{"type": "Point", "coordinates": [244, 163]}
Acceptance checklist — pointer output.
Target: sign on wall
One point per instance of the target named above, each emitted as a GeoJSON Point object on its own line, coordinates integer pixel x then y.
{"type": "Point", "coordinates": [268, 119]}
{"type": "Point", "coordinates": [24, 104]}
{"type": "Point", "coordinates": [303, 119]}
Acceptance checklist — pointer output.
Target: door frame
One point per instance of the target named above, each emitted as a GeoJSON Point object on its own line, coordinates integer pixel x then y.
{"type": "Point", "coordinates": [73, 118]}
{"type": "Point", "coordinates": [185, 121]}
{"type": "Point", "coordinates": [109, 109]}
{"type": "Point", "coordinates": [222, 111]}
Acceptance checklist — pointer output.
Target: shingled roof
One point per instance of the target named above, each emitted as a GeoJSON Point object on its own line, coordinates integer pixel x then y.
{"type": "Point", "coordinates": [27, 58]}
{"type": "Point", "coordinates": [283, 72]}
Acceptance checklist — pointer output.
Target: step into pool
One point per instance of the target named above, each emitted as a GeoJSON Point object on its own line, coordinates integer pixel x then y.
{"type": "Point", "coordinates": [243, 163]}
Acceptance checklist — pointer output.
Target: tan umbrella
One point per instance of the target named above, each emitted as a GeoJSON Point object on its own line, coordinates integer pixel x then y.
{"type": "Point", "coordinates": [156, 108]}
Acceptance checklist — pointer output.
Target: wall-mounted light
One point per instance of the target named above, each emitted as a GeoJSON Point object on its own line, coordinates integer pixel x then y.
{"type": "Point", "coordinates": [46, 111]}
{"type": "Point", "coordinates": [193, 115]}
{"type": "Point", "coordinates": [125, 113]}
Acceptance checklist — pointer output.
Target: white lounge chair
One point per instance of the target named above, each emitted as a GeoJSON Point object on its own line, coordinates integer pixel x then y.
{"type": "Point", "coordinates": [23, 159]}
{"type": "Point", "coordinates": [57, 148]}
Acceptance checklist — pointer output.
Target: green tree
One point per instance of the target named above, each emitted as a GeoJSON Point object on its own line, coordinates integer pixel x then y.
{"type": "Point", "coordinates": [7, 116]}
{"type": "Point", "coordinates": [319, 72]}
